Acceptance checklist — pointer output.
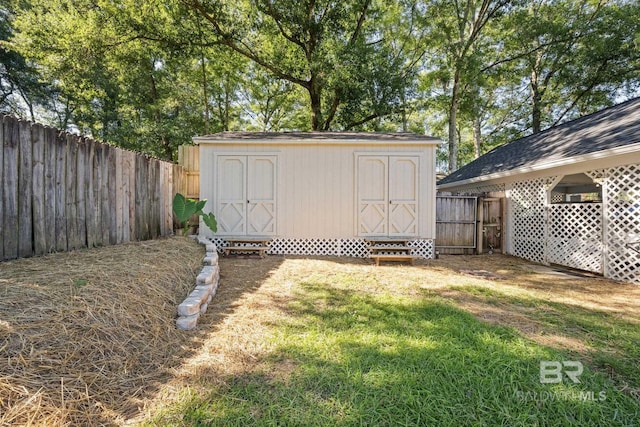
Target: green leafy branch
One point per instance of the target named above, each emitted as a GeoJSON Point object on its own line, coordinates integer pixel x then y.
{"type": "Point", "coordinates": [185, 208]}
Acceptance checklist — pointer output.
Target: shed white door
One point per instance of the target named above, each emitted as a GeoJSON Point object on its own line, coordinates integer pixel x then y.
{"type": "Point", "coordinates": [246, 195]}
{"type": "Point", "coordinates": [387, 195]}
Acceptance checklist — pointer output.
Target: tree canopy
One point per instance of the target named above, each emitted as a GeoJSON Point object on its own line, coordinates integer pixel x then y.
{"type": "Point", "coordinates": [476, 73]}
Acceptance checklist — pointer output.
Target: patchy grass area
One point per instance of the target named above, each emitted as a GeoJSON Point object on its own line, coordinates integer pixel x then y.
{"type": "Point", "coordinates": [89, 338]}
{"type": "Point", "coordinates": [455, 341]}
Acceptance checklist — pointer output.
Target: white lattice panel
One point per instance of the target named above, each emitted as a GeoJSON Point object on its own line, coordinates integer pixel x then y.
{"type": "Point", "coordinates": [623, 218]}
{"type": "Point", "coordinates": [557, 197]}
{"type": "Point", "coordinates": [527, 218]}
{"type": "Point", "coordinates": [305, 247]}
{"type": "Point", "coordinates": [220, 243]}
{"type": "Point", "coordinates": [575, 236]}
{"type": "Point", "coordinates": [422, 247]}
{"type": "Point", "coordinates": [357, 248]}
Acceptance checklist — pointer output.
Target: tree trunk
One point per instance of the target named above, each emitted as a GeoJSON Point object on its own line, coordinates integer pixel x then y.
{"type": "Point", "coordinates": [453, 111]}
{"type": "Point", "coordinates": [536, 101]}
{"type": "Point", "coordinates": [536, 113]}
{"type": "Point", "coordinates": [477, 137]}
{"type": "Point", "coordinates": [315, 98]}
{"type": "Point", "coordinates": [227, 106]}
{"type": "Point", "coordinates": [205, 97]}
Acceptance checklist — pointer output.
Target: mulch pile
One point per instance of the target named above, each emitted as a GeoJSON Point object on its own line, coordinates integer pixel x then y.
{"type": "Point", "coordinates": [87, 336]}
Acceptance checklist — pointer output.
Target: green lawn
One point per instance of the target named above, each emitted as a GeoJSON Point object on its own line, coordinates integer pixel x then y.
{"type": "Point", "coordinates": [345, 347]}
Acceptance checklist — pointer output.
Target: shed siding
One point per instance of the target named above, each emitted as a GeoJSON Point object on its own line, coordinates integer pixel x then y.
{"type": "Point", "coordinates": [316, 185]}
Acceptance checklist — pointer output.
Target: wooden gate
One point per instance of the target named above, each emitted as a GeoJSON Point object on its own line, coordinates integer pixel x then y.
{"type": "Point", "coordinates": [456, 217]}
{"type": "Point", "coordinates": [491, 221]}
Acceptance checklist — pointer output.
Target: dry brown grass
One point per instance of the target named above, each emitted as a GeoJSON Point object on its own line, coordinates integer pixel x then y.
{"type": "Point", "coordinates": [87, 336]}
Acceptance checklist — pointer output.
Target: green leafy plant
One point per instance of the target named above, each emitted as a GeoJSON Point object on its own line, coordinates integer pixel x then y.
{"type": "Point", "coordinates": [210, 221]}
{"type": "Point", "coordinates": [185, 208]}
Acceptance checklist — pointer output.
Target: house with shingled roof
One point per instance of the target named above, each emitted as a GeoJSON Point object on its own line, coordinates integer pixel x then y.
{"type": "Point", "coordinates": [571, 192]}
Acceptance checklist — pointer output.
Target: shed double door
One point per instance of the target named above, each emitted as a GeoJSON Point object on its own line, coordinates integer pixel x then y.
{"type": "Point", "coordinates": [387, 196]}
{"type": "Point", "coordinates": [246, 195]}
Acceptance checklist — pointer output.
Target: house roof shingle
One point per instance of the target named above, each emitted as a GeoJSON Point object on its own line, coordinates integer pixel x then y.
{"type": "Point", "coordinates": [612, 127]}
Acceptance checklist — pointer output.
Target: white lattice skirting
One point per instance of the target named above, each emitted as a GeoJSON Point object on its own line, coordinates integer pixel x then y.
{"type": "Point", "coordinates": [357, 248]}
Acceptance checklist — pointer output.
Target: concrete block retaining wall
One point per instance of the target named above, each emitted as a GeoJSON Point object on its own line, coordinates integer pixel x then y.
{"type": "Point", "coordinates": [195, 305]}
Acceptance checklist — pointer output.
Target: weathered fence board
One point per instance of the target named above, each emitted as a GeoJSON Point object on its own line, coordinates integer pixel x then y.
{"type": "Point", "coordinates": [38, 202]}
{"type": "Point", "coordinates": [61, 192]}
{"type": "Point", "coordinates": [104, 192]}
{"type": "Point", "coordinates": [167, 216]}
{"type": "Point", "coordinates": [50, 188]}
{"type": "Point", "coordinates": [155, 199]}
{"type": "Point", "coordinates": [111, 185]}
{"type": "Point", "coordinates": [189, 159]}
{"type": "Point", "coordinates": [96, 177]}
{"type": "Point", "coordinates": [163, 177]}
{"type": "Point", "coordinates": [178, 183]}
{"type": "Point", "coordinates": [25, 191]}
{"type": "Point", "coordinates": [90, 210]}
{"type": "Point", "coordinates": [456, 223]}
{"type": "Point", "coordinates": [2, 186]}
{"type": "Point", "coordinates": [10, 184]}
{"type": "Point", "coordinates": [71, 213]}
{"type": "Point", "coordinates": [140, 175]}
{"type": "Point", "coordinates": [130, 194]}
{"type": "Point", "coordinates": [119, 208]}
{"type": "Point", "coordinates": [81, 185]}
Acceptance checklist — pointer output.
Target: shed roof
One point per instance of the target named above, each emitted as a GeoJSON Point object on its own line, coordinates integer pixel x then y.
{"type": "Point", "coordinates": [315, 137]}
{"type": "Point", "coordinates": [602, 131]}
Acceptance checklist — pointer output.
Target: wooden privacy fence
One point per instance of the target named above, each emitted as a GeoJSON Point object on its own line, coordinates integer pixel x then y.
{"type": "Point", "coordinates": [61, 192]}
{"type": "Point", "coordinates": [189, 159]}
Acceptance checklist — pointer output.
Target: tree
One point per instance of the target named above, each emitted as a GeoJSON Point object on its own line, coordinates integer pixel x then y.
{"type": "Point", "coordinates": [19, 82]}
{"type": "Point", "coordinates": [111, 84]}
{"type": "Point", "coordinates": [574, 55]}
{"type": "Point", "coordinates": [457, 29]}
{"type": "Point", "coordinates": [272, 104]}
{"type": "Point", "coordinates": [332, 50]}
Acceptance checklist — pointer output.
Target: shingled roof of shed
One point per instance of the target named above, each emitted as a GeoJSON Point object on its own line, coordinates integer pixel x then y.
{"type": "Point", "coordinates": [315, 136]}
{"type": "Point", "coordinates": [612, 127]}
